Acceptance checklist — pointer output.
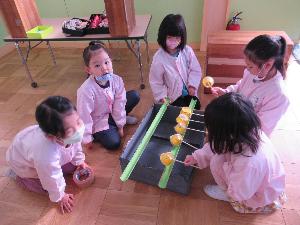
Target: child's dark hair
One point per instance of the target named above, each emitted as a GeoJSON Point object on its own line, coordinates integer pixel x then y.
{"type": "Point", "coordinates": [172, 25]}
{"type": "Point", "coordinates": [89, 50]}
{"type": "Point", "coordinates": [265, 47]}
{"type": "Point", "coordinates": [231, 123]}
{"type": "Point", "coordinates": [50, 113]}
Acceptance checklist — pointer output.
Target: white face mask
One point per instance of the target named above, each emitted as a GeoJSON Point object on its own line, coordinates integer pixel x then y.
{"type": "Point", "coordinates": [76, 137]}
{"type": "Point", "coordinates": [102, 79]}
{"type": "Point", "coordinates": [172, 44]}
{"type": "Point", "coordinates": [258, 78]}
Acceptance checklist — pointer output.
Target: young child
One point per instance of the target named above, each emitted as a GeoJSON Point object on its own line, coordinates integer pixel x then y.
{"type": "Point", "coordinates": [102, 101]}
{"type": "Point", "coordinates": [175, 71]}
{"type": "Point", "coordinates": [42, 154]}
{"type": "Point", "coordinates": [262, 82]}
{"type": "Point", "coordinates": [242, 159]}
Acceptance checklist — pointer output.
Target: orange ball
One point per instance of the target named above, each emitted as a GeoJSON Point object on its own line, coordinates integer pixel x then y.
{"type": "Point", "coordinates": [182, 118]}
{"type": "Point", "coordinates": [166, 158]}
{"type": "Point", "coordinates": [187, 111]}
{"type": "Point", "coordinates": [208, 82]}
{"type": "Point", "coordinates": [180, 128]}
{"type": "Point", "coordinates": [176, 139]}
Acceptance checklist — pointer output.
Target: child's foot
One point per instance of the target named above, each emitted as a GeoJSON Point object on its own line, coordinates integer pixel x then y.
{"type": "Point", "coordinates": [131, 120]}
{"type": "Point", "coordinates": [215, 192]}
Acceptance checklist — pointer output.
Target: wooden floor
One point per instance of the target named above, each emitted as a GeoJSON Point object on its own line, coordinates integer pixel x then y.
{"type": "Point", "coordinates": [109, 201]}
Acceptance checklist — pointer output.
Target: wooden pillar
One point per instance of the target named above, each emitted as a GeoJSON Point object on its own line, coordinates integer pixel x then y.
{"type": "Point", "coordinates": [121, 16]}
{"type": "Point", "coordinates": [215, 16]}
{"type": "Point", "coordinates": [20, 16]}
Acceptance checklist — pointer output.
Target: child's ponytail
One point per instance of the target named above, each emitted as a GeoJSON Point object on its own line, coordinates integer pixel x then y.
{"type": "Point", "coordinates": [279, 59]}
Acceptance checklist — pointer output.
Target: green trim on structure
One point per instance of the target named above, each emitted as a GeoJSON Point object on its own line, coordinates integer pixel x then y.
{"type": "Point", "coordinates": [168, 169]}
{"type": "Point", "coordinates": [140, 149]}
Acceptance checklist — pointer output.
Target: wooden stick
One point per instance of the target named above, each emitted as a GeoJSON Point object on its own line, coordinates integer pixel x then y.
{"type": "Point", "coordinates": [189, 165]}
{"type": "Point", "coordinates": [201, 131]}
{"type": "Point", "coordinates": [198, 114]}
{"type": "Point", "coordinates": [197, 121]}
{"type": "Point", "coordinates": [190, 145]}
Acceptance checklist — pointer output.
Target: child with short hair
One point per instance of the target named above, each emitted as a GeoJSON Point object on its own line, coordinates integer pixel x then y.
{"type": "Point", "coordinates": [102, 102]}
{"type": "Point", "coordinates": [175, 71]}
{"type": "Point", "coordinates": [247, 169]}
{"type": "Point", "coordinates": [262, 82]}
{"type": "Point", "coordinates": [42, 154]}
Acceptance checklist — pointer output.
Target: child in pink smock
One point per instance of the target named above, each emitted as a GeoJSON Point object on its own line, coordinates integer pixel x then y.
{"type": "Point", "coordinates": [262, 82]}
{"type": "Point", "coordinates": [42, 154]}
{"type": "Point", "coordinates": [102, 102]}
{"type": "Point", "coordinates": [242, 160]}
{"type": "Point", "coordinates": [175, 71]}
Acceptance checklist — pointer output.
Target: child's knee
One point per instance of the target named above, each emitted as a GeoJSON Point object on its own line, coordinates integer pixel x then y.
{"type": "Point", "coordinates": [113, 144]}
{"type": "Point", "coordinates": [134, 96]}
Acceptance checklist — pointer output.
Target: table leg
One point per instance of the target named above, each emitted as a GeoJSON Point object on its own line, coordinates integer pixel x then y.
{"type": "Point", "coordinates": [131, 48]}
{"type": "Point", "coordinates": [138, 48]}
{"type": "Point", "coordinates": [51, 53]}
{"type": "Point", "coordinates": [33, 83]}
{"type": "Point", "coordinates": [137, 54]}
{"type": "Point", "coordinates": [147, 47]}
{"type": "Point", "coordinates": [28, 50]}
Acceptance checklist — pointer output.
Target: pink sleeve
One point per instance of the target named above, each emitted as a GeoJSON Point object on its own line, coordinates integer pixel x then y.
{"type": "Point", "coordinates": [51, 176]}
{"type": "Point", "coordinates": [243, 181]}
{"type": "Point", "coordinates": [85, 106]}
{"type": "Point", "coordinates": [271, 112]}
{"type": "Point", "coordinates": [156, 80]}
{"type": "Point", "coordinates": [237, 86]}
{"type": "Point", "coordinates": [79, 156]}
{"type": "Point", "coordinates": [195, 74]}
{"type": "Point", "coordinates": [118, 111]}
{"type": "Point", "coordinates": [203, 156]}
{"type": "Point", "coordinates": [233, 87]}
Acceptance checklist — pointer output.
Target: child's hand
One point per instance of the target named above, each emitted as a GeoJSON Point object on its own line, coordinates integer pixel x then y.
{"type": "Point", "coordinates": [121, 132]}
{"type": "Point", "coordinates": [191, 90]}
{"type": "Point", "coordinates": [189, 160]}
{"type": "Point", "coordinates": [83, 166]}
{"type": "Point", "coordinates": [66, 203]}
{"type": "Point", "coordinates": [217, 91]}
{"type": "Point", "coordinates": [162, 100]}
{"type": "Point", "coordinates": [88, 146]}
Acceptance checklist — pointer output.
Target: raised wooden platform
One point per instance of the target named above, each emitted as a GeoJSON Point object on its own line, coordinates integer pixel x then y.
{"type": "Point", "coordinates": [225, 57]}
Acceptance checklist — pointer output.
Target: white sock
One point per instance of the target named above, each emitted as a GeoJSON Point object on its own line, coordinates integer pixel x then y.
{"type": "Point", "coordinates": [216, 192]}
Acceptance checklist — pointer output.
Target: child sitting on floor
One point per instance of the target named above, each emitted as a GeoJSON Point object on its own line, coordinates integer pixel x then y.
{"type": "Point", "coordinates": [248, 171]}
{"type": "Point", "coordinates": [102, 102]}
{"type": "Point", "coordinates": [42, 154]}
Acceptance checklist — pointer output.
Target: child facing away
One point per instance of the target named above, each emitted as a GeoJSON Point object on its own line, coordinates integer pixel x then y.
{"type": "Point", "coordinates": [242, 159]}
{"type": "Point", "coordinates": [42, 154]}
{"type": "Point", "coordinates": [102, 102]}
{"type": "Point", "coordinates": [175, 71]}
{"type": "Point", "coordinates": [262, 82]}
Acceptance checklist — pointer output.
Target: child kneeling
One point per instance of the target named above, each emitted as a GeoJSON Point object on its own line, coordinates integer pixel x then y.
{"type": "Point", "coordinates": [241, 157]}
{"type": "Point", "coordinates": [42, 154]}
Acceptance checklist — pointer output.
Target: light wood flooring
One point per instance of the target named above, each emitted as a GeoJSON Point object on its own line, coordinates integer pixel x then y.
{"type": "Point", "coordinates": [109, 201]}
